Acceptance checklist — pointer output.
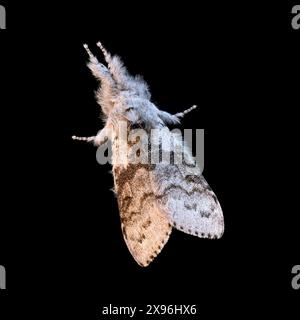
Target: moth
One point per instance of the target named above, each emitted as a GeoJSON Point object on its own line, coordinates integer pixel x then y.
{"type": "Point", "coordinates": [152, 198]}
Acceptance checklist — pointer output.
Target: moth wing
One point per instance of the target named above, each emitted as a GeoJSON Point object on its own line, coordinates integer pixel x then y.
{"type": "Point", "coordinates": [145, 227]}
{"type": "Point", "coordinates": [188, 201]}
{"type": "Point", "coordinates": [183, 194]}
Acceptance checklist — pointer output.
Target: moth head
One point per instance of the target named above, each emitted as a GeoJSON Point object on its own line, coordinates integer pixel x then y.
{"type": "Point", "coordinates": [119, 91]}
{"type": "Point", "coordinates": [130, 113]}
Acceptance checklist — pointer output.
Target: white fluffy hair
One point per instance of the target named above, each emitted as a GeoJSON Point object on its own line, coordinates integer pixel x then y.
{"type": "Point", "coordinates": [124, 97]}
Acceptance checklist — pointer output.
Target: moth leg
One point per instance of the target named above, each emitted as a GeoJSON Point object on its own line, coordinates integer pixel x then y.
{"type": "Point", "coordinates": [97, 140]}
{"type": "Point", "coordinates": [101, 137]}
{"type": "Point", "coordinates": [87, 139]}
{"type": "Point", "coordinates": [183, 113]}
{"type": "Point", "coordinates": [174, 118]}
{"type": "Point", "coordinates": [168, 118]}
{"type": "Point", "coordinates": [115, 66]}
{"type": "Point", "coordinates": [106, 54]}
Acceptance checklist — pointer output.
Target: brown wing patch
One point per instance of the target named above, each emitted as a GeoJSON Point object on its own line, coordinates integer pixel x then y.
{"type": "Point", "coordinates": [145, 227]}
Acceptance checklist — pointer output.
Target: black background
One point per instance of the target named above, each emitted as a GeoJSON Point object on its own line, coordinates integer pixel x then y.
{"type": "Point", "coordinates": [61, 240]}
